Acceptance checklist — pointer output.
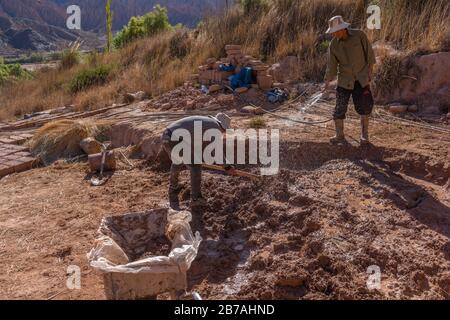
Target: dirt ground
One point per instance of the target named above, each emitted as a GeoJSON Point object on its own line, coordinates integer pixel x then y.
{"type": "Point", "coordinates": [310, 232]}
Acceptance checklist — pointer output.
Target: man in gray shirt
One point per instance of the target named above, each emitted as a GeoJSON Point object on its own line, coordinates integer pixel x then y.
{"type": "Point", "coordinates": [221, 122]}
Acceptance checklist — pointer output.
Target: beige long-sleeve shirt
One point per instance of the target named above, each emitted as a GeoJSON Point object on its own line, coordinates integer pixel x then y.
{"type": "Point", "coordinates": [350, 60]}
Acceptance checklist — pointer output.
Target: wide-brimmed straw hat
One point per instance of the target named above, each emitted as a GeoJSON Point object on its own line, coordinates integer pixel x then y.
{"type": "Point", "coordinates": [337, 23]}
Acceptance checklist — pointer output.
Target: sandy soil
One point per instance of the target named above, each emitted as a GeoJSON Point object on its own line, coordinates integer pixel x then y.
{"type": "Point", "coordinates": [310, 232]}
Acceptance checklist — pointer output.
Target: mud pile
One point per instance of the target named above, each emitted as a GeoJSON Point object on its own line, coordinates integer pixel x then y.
{"type": "Point", "coordinates": [313, 231]}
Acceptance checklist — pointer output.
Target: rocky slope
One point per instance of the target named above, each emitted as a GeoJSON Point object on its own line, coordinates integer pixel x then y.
{"type": "Point", "coordinates": [41, 25]}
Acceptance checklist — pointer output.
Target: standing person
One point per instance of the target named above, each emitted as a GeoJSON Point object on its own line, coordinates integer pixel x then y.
{"type": "Point", "coordinates": [351, 59]}
{"type": "Point", "coordinates": [221, 122]}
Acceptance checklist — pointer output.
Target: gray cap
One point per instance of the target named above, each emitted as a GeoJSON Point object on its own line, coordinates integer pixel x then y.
{"type": "Point", "coordinates": [225, 121]}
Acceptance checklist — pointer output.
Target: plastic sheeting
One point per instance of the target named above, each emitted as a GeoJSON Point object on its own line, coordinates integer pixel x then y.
{"type": "Point", "coordinates": [123, 237]}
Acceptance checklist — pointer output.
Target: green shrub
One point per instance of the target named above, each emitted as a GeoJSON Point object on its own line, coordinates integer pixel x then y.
{"type": "Point", "coordinates": [150, 24]}
{"type": "Point", "coordinates": [257, 122]}
{"type": "Point", "coordinates": [13, 72]}
{"type": "Point", "coordinates": [90, 77]}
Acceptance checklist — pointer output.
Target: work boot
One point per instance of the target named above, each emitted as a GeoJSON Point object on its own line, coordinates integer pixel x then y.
{"type": "Point", "coordinates": [174, 202]}
{"type": "Point", "coordinates": [365, 130]}
{"type": "Point", "coordinates": [339, 137]}
{"type": "Point", "coordinates": [198, 202]}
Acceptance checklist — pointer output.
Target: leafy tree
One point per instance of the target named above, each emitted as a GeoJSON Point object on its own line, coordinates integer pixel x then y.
{"type": "Point", "coordinates": [150, 24]}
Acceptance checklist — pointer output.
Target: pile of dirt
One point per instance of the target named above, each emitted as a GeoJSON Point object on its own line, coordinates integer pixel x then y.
{"type": "Point", "coordinates": [190, 98]}
{"type": "Point", "coordinates": [314, 230]}
{"type": "Point", "coordinates": [311, 232]}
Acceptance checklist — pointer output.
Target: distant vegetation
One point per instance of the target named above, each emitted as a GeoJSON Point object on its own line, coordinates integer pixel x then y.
{"type": "Point", "coordinates": [12, 72]}
{"type": "Point", "coordinates": [148, 25]}
{"type": "Point", "coordinates": [155, 57]}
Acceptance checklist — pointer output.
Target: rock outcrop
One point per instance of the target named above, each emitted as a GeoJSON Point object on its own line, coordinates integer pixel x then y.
{"type": "Point", "coordinates": [425, 82]}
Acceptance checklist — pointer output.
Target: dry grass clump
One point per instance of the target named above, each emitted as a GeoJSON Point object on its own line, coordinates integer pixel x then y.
{"type": "Point", "coordinates": [257, 123]}
{"type": "Point", "coordinates": [61, 139]}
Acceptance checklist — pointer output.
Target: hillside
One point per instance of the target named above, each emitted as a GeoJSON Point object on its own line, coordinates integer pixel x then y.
{"type": "Point", "coordinates": [41, 25]}
{"type": "Point", "coordinates": [269, 33]}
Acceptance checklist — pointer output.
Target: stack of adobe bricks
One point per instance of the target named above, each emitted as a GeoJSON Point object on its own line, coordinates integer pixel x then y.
{"type": "Point", "coordinates": [263, 79]}
{"type": "Point", "coordinates": [211, 74]}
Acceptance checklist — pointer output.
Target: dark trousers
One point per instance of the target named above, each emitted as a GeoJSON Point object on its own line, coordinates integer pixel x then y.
{"type": "Point", "coordinates": [362, 99]}
{"type": "Point", "coordinates": [176, 169]}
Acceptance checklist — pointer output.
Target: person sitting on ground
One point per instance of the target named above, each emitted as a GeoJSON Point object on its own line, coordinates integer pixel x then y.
{"type": "Point", "coordinates": [351, 59]}
{"type": "Point", "coordinates": [221, 122]}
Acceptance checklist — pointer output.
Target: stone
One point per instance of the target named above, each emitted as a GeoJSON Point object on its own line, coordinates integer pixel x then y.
{"type": "Point", "coordinates": [413, 108]}
{"type": "Point", "coordinates": [166, 106]}
{"type": "Point", "coordinates": [262, 67]}
{"type": "Point", "coordinates": [190, 105]}
{"type": "Point", "coordinates": [233, 52]}
{"type": "Point", "coordinates": [287, 69]}
{"type": "Point", "coordinates": [91, 146]}
{"type": "Point", "coordinates": [255, 86]}
{"type": "Point", "coordinates": [232, 47]}
{"type": "Point", "coordinates": [255, 62]}
{"type": "Point", "coordinates": [264, 82]}
{"type": "Point", "coordinates": [398, 108]}
{"type": "Point", "coordinates": [138, 96]}
{"type": "Point", "coordinates": [279, 85]}
{"type": "Point", "coordinates": [382, 49]}
{"type": "Point", "coordinates": [252, 110]}
{"type": "Point", "coordinates": [215, 88]}
{"type": "Point", "coordinates": [241, 90]}
{"type": "Point", "coordinates": [426, 83]}
{"type": "Point", "coordinates": [225, 98]}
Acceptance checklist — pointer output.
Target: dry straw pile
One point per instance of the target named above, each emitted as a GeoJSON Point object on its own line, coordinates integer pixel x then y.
{"type": "Point", "coordinates": [61, 139]}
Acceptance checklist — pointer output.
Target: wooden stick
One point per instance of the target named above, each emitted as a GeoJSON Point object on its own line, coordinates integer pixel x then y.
{"type": "Point", "coordinates": [238, 173]}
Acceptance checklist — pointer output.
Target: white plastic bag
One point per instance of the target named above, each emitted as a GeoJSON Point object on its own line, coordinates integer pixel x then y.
{"type": "Point", "coordinates": [118, 236]}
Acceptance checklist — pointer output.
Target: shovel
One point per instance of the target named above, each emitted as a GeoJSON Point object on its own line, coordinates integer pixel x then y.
{"type": "Point", "coordinates": [237, 173]}
{"type": "Point", "coordinates": [95, 181]}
